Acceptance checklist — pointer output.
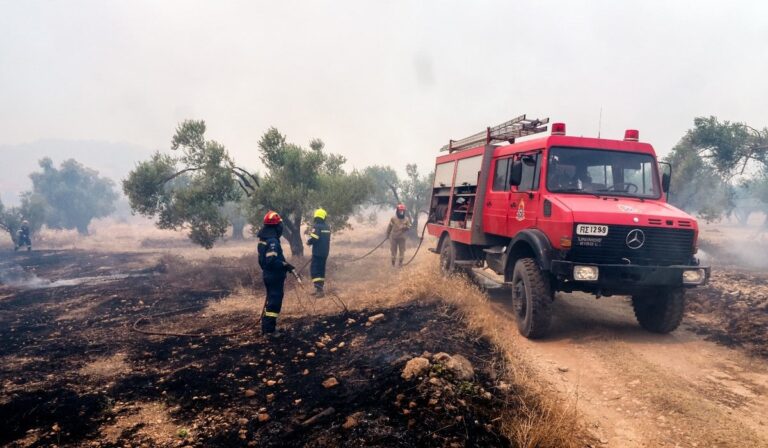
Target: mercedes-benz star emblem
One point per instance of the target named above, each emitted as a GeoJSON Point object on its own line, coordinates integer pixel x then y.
{"type": "Point", "coordinates": [635, 239]}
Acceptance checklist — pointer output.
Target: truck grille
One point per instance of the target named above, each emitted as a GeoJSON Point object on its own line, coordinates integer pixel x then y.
{"type": "Point", "coordinates": [662, 247]}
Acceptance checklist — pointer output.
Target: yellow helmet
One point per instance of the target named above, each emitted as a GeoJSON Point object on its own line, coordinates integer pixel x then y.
{"type": "Point", "coordinates": [320, 213]}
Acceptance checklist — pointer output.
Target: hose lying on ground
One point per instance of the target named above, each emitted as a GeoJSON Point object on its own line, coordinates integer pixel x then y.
{"type": "Point", "coordinates": [137, 324]}
{"type": "Point", "coordinates": [298, 286]}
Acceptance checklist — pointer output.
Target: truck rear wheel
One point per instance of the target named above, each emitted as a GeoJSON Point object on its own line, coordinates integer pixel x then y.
{"type": "Point", "coordinates": [531, 298]}
{"type": "Point", "coordinates": [447, 257]}
{"type": "Point", "coordinates": [660, 312]}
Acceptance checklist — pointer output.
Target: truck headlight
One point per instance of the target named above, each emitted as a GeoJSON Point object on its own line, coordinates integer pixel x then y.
{"type": "Point", "coordinates": [586, 273]}
{"type": "Point", "coordinates": [693, 276]}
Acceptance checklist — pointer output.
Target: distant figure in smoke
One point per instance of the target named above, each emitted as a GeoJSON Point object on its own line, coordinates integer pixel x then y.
{"type": "Point", "coordinates": [320, 240]}
{"type": "Point", "coordinates": [23, 237]}
{"type": "Point", "coordinates": [274, 269]}
{"type": "Point", "coordinates": [398, 227]}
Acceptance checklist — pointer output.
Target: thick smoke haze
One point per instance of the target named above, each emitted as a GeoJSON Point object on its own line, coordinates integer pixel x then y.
{"type": "Point", "coordinates": [380, 82]}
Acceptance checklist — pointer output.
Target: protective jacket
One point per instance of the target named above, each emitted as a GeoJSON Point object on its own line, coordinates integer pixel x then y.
{"type": "Point", "coordinates": [320, 239]}
{"type": "Point", "coordinates": [398, 227]}
{"type": "Point", "coordinates": [271, 258]}
{"type": "Point", "coordinates": [274, 269]}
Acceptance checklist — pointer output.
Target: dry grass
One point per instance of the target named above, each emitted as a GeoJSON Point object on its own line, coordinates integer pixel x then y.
{"type": "Point", "coordinates": [211, 274]}
{"type": "Point", "coordinates": [151, 421]}
{"type": "Point", "coordinates": [107, 368]}
{"type": "Point", "coordinates": [537, 418]}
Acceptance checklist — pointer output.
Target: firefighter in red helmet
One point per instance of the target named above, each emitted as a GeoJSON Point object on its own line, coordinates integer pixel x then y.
{"type": "Point", "coordinates": [274, 269]}
{"type": "Point", "coordinates": [398, 227]}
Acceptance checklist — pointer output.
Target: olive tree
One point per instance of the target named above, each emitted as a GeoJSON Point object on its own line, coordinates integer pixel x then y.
{"type": "Point", "coordinates": [32, 208]}
{"type": "Point", "coordinates": [713, 162]}
{"type": "Point", "coordinates": [413, 191]}
{"type": "Point", "coordinates": [298, 180]}
{"type": "Point", "coordinates": [189, 189]}
{"type": "Point", "coordinates": [74, 194]}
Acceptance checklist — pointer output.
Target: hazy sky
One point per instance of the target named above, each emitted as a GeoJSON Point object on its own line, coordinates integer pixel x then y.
{"type": "Point", "coordinates": [382, 82]}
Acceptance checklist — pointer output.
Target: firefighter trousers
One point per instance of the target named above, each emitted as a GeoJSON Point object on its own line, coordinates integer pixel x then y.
{"type": "Point", "coordinates": [275, 285]}
{"type": "Point", "coordinates": [397, 248]}
{"type": "Point", "coordinates": [317, 271]}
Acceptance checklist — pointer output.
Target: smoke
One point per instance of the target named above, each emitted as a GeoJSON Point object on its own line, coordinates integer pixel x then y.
{"type": "Point", "coordinates": [16, 277]}
{"type": "Point", "coordinates": [728, 244]}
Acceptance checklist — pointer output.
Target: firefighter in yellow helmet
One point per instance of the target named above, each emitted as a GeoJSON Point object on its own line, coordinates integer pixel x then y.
{"type": "Point", "coordinates": [398, 227]}
{"type": "Point", "coordinates": [320, 240]}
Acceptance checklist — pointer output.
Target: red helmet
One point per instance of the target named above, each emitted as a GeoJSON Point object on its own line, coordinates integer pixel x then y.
{"type": "Point", "coordinates": [272, 218]}
{"type": "Point", "coordinates": [400, 207]}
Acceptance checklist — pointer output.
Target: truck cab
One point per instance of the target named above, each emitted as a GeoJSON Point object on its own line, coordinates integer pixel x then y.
{"type": "Point", "coordinates": [562, 213]}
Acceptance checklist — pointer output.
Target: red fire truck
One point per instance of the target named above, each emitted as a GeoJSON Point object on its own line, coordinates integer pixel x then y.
{"type": "Point", "coordinates": [562, 213]}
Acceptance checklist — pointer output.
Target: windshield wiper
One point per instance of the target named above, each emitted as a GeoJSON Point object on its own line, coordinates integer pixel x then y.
{"type": "Point", "coordinates": [623, 194]}
{"type": "Point", "coordinates": [578, 190]}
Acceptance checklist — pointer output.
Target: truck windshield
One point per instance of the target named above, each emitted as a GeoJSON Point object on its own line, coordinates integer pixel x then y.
{"type": "Point", "coordinates": [602, 172]}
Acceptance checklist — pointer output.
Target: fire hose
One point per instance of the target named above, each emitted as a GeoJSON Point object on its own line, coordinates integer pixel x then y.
{"type": "Point", "coordinates": [378, 246]}
{"type": "Point", "coordinates": [299, 286]}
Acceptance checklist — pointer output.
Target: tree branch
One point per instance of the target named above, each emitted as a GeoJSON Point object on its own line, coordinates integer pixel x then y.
{"type": "Point", "coordinates": [394, 191]}
{"type": "Point", "coordinates": [247, 193]}
{"type": "Point", "coordinates": [243, 182]}
{"type": "Point", "coordinates": [254, 178]}
{"type": "Point", "coordinates": [185, 170]}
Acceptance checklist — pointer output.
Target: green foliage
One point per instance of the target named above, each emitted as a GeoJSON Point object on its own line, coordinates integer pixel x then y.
{"type": "Point", "coordinates": [33, 208]}
{"type": "Point", "coordinates": [726, 144]}
{"type": "Point", "coordinates": [299, 180]}
{"type": "Point", "coordinates": [389, 190]}
{"type": "Point", "coordinates": [697, 187]}
{"type": "Point", "coordinates": [711, 161]}
{"type": "Point", "coordinates": [74, 193]}
{"type": "Point", "coordinates": [189, 190]}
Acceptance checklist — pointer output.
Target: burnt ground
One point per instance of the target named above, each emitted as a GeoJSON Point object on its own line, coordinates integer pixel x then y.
{"type": "Point", "coordinates": [73, 372]}
{"type": "Point", "coordinates": [732, 309]}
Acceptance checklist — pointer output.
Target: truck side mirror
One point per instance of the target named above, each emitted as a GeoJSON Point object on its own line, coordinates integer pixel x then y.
{"type": "Point", "coordinates": [666, 175]}
{"type": "Point", "coordinates": [516, 174]}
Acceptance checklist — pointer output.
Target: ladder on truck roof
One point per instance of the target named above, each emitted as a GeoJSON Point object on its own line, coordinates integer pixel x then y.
{"type": "Point", "coordinates": [507, 131]}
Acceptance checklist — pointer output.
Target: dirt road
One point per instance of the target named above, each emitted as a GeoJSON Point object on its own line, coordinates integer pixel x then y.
{"type": "Point", "coordinates": [636, 389]}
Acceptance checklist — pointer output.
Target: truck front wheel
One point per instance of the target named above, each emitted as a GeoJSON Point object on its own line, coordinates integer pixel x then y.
{"type": "Point", "coordinates": [660, 312]}
{"type": "Point", "coordinates": [531, 298]}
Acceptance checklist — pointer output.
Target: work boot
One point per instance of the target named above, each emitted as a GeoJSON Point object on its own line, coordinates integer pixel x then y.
{"type": "Point", "coordinates": [393, 262]}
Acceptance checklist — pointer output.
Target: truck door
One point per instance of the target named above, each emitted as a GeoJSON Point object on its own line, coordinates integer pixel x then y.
{"type": "Point", "coordinates": [524, 198]}
{"type": "Point", "coordinates": [496, 207]}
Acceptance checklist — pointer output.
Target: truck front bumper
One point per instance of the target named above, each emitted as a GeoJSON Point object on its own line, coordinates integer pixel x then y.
{"type": "Point", "coordinates": [623, 278]}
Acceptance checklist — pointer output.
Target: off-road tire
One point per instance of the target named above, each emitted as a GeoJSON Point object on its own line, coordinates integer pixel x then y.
{"type": "Point", "coordinates": [660, 312]}
{"type": "Point", "coordinates": [447, 258]}
{"type": "Point", "coordinates": [531, 299]}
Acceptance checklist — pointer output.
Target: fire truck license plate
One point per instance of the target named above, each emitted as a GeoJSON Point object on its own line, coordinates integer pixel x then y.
{"type": "Point", "coordinates": [591, 229]}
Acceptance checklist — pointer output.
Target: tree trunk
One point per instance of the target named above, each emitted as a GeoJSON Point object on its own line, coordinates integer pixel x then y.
{"type": "Point", "coordinates": [415, 229]}
{"type": "Point", "coordinates": [292, 233]}
{"type": "Point", "coordinates": [295, 243]}
{"type": "Point", "coordinates": [238, 225]}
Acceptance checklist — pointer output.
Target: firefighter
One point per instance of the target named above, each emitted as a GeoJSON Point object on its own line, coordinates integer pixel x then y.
{"type": "Point", "coordinates": [274, 269]}
{"type": "Point", "coordinates": [23, 236]}
{"type": "Point", "coordinates": [320, 240]}
{"type": "Point", "coordinates": [398, 226]}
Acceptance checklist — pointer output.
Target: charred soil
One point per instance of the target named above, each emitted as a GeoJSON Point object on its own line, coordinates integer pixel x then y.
{"type": "Point", "coordinates": [73, 372]}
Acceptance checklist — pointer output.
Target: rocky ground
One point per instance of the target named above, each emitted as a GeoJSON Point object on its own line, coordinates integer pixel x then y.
{"type": "Point", "coordinates": [75, 374]}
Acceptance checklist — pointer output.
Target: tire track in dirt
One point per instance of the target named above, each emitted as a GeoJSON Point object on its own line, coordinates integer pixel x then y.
{"type": "Point", "coordinates": [637, 389]}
